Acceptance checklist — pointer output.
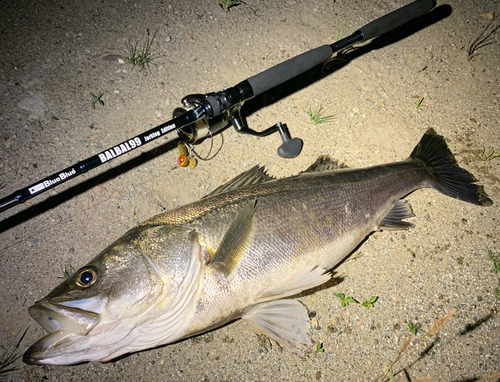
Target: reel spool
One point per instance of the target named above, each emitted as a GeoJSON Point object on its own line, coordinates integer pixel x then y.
{"type": "Point", "coordinates": [194, 132]}
{"type": "Point", "coordinates": [202, 128]}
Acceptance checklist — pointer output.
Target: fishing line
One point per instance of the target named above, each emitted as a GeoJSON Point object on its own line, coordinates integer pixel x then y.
{"type": "Point", "coordinates": [207, 157]}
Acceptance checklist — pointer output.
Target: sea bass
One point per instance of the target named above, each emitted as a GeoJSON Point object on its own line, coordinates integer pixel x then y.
{"type": "Point", "coordinates": [237, 253]}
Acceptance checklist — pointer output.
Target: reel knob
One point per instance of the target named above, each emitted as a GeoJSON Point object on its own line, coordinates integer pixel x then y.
{"type": "Point", "coordinates": [291, 147]}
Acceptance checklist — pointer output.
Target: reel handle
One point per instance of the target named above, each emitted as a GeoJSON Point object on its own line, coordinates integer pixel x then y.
{"type": "Point", "coordinates": [291, 147]}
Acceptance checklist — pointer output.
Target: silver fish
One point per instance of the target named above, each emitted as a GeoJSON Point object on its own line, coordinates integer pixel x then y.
{"type": "Point", "coordinates": [236, 254]}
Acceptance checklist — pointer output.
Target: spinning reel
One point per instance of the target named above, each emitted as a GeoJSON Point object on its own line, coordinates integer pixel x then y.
{"type": "Point", "coordinates": [202, 128]}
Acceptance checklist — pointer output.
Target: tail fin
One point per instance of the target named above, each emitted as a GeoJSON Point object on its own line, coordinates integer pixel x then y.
{"type": "Point", "coordinates": [451, 179]}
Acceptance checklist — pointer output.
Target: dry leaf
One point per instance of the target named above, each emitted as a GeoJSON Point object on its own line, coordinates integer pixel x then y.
{"type": "Point", "coordinates": [99, 189]}
{"type": "Point", "coordinates": [190, 36]}
{"type": "Point", "coordinates": [488, 15]}
{"type": "Point", "coordinates": [404, 348]}
{"type": "Point", "coordinates": [439, 323]}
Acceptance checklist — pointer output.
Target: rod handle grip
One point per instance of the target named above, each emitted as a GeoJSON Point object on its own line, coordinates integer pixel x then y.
{"type": "Point", "coordinates": [287, 70]}
{"type": "Point", "coordinates": [396, 18]}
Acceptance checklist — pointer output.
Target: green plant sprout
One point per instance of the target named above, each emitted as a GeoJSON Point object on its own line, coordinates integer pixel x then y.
{"type": "Point", "coordinates": [319, 348]}
{"type": "Point", "coordinates": [95, 99]}
{"type": "Point", "coordinates": [226, 4]}
{"type": "Point", "coordinates": [340, 34]}
{"type": "Point", "coordinates": [264, 341]}
{"type": "Point", "coordinates": [419, 102]}
{"type": "Point", "coordinates": [369, 304]}
{"type": "Point", "coordinates": [491, 154]}
{"type": "Point", "coordinates": [317, 116]}
{"type": "Point", "coordinates": [10, 354]}
{"type": "Point", "coordinates": [391, 376]}
{"type": "Point", "coordinates": [496, 261]}
{"type": "Point", "coordinates": [354, 256]}
{"type": "Point", "coordinates": [414, 328]}
{"type": "Point", "coordinates": [496, 269]}
{"type": "Point", "coordinates": [143, 57]}
{"type": "Point", "coordinates": [344, 301]}
{"type": "Point", "coordinates": [484, 39]}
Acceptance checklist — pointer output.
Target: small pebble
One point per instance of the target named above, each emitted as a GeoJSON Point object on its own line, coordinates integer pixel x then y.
{"type": "Point", "coordinates": [112, 57]}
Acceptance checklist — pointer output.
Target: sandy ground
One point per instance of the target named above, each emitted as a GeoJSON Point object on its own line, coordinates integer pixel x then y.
{"type": "Point", "coordinates": [54, 54]}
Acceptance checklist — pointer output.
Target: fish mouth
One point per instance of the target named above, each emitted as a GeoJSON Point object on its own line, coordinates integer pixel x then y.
{"type": "Point", "coordinates": [64, 324]}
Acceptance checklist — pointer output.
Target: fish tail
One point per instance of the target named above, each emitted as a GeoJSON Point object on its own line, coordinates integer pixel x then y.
{"type": "Point", "coordinates": [450, 178]}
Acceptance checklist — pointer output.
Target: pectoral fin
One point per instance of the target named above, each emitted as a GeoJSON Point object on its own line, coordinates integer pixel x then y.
{"type": "Point", "coordinates": [285, 321]}
{"type": "Point", "coordinates": [235, 241]}
{"type": "Point", "coordinates": [306, 278]}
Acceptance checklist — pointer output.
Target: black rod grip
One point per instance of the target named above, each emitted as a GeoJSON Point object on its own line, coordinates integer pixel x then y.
{"type": "Point", "coordinates": [289, 69]}
{"type": "Point", "coordinates": [396, 18]}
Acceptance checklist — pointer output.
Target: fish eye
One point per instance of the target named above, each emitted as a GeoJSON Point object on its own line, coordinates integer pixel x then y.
{"type": "Point", "coordinates": [86, 277]}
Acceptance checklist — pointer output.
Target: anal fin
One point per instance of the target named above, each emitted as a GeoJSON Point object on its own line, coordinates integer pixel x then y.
{"type": "Point", "coordinates": [400, 210]}
{"type": "Point", "coordinates": [285, 321]}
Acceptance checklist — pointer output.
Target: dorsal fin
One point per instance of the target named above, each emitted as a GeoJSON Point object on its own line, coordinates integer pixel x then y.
{"type": "Point", "coordinates": [255, 175]}
{"type": "Point", "coordinates": [324, 163]}
{"type": "Point", "coordinates": [258, 174]}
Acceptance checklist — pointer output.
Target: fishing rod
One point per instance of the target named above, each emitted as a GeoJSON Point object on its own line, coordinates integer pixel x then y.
{"type": "Point", "coordinates": [210, 113]}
